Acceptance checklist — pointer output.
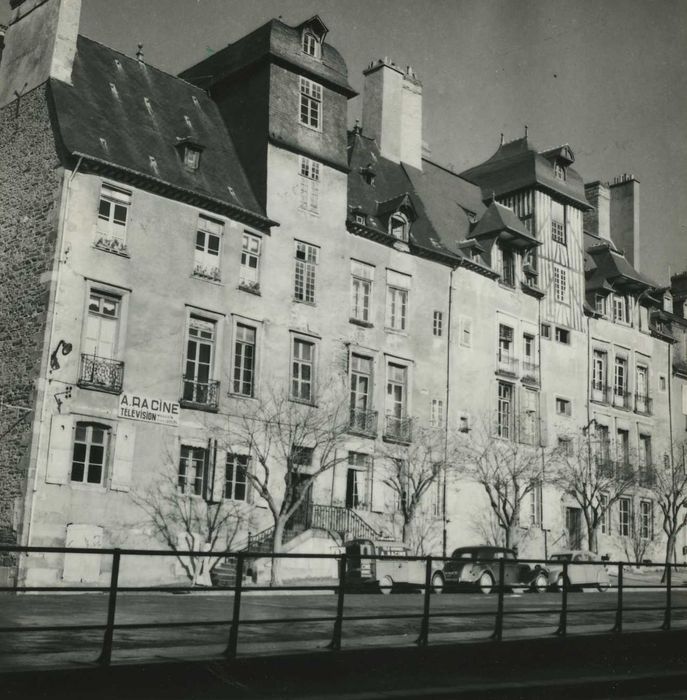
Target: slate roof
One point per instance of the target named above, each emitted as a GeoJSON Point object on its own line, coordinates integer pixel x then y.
{"type": "Point", "coordinates": [276, 41]}
{"type": "Point", "coordinates": [500, 218]}
{"type": "Point", "coordinates": [606, 269]}
{"type": "Point", "coordinates": [104, 117]}
{"type": "Point", "coordinates": [518, 165]}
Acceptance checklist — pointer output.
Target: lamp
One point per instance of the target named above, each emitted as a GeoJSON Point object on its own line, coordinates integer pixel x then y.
{"type": "Point", "coordinates": [63, 346]}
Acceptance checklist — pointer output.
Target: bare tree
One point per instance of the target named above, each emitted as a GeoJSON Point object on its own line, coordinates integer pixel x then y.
{"type": "Point", "coordinates": [187, 523]}
{"type": "Point", "coordinates": [583, 469]}
{"type": "Point", "coordinates": [508, 471]}
{"type": "Point", "coordinates": [413, 474]}
{"type": "Point", "coordinates": [291, 444]}
{"type": "Point", "coordinates": [670, 490]}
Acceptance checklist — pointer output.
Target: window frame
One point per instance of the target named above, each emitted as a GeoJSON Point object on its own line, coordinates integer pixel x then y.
{"type": "Point", "coordinates": [309, 39]}
{"type": "Point", "coordinates": [106, 236]}
{"type": "Point", "coordinates": [305, 272]}
{"type": "Point", "coordinates": [199, 483]}
{"type": "Point", "coordinates": [107, 447]}
{"type": "Point", "coordinates": [565, 404]}
{"type": "Point", "coordinates": [295, 378]}
{"type": "Point", "coordinates": [247, 254]}
{"type": "Point", "coordinates": [234, 458]}
{"type": "Point", "coordinates": [508, 274]}
{"type": "Point", "coordinates": [362, 283]}
{"type": "Point", "coordinates": [558, 226]}
{"type": "Point", "coordinates": [240, 367]}
{"type": "Point", "coordinates": [397, 320]}
{"type": "Point", "coordinates": [560, 284]}
{"type": "Point", "coordinates": [437, 323]}
{"type": "Point", "coordinates": [562, 335]}
{"type": "Point", "coordinates": [505, 430]}
{"type": "Point", "coordinates": [310, 104]}
{"type": "Point", "coordinates": [202, 257]}
{"type": "Point", "coordinates": [646, 519]}
{"type": "Point", "coordinates": [310, 172]}
{"type": "Point", "coordinates": [624, 516]}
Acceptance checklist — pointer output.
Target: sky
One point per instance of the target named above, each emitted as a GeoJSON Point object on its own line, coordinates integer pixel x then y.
{"type": "Point", "coordinates": [609, 78]}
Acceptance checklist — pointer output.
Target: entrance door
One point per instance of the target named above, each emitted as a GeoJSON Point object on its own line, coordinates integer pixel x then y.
{"type": "Point", "coordinates": [299, 520]}
{"type": "Point", "coordinates": [573, 523]}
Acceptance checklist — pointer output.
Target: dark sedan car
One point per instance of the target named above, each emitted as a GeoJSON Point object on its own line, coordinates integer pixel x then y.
{"type": "Point", "coordinates": [478, 567]}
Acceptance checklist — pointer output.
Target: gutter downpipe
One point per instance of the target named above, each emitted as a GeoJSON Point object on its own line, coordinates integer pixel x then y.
{"type": "Point", "coordinates": [448, 405]}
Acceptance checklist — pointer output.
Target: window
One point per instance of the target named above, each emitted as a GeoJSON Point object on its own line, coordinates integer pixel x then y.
{"type": "Point", "coordinates": [397, 308]}
{"type": "Point", "coordinates": [200, 356]}
{"type": "Point", "coordinates": [528, 347]}
{"type": "Point", "coordinates": [604, 520]}
{"type": "Point", "coordinates": [504, 410]}
{"type": "Point", "coordinates": [306, 264]}
{"type": "Point", "coordinates": [244, 360]}
{"type": "Point", "coordinates": [619, 309]}
{"type": "Point", "coordinates": [311, 104]}
{"type": "Point", "coordinates": [559, 170]}
{"type": "Point", "coordinates": [357, 479]}
{"type": "Point", "coordinates": [599, 363]}
{"type": "Point", "coordinates": [437, 322]}
{"type": "Point", "coordinates": [310, 44]}
{"type": "Point", "coordinates": [396, 397]}
{"type": "Point", "coordinates": [623, 440]}
{"type": "Point", "coordinates": [310, 184]}
{"type": "Point", "coordinates": [362, 276]}
{"type": "Point", "coordinates": [662, 382]}
{"type": "Point", "coordinates": [508, 267]}
{"type": "Point", "coordinates": [466, 331]}
{"type": "Point", "coordinates": [558, 222]}
{"type": "Point", "coordinates": [560, 284]}
{"type": "Point", "coordinates": [644, 318]}
{"type": "Point", "coordinates": [102, 325]}
{"type": "Point", "coordinates": [545, 331]}
{"type": "Point", "coordinates": [250, 261]}
{"type": "Point", "coordinates": [399, 226]}
{"type": "Point", "coordinates": [302, 370]}
{"type": "Point", "coordinates": [436, 419]}
{"type": "Point", "coordinates": [644, 456]}
{"type": "Point", "coordinates": [302, 456]}
{"type": "Point", "coordinates": [536, 504]}
{"type": "Point", "coordinates": [91, 442]}
{"type": "Point", "coordinates": [565, 446]}
{"type": "Point", "coordinates": [505, 343]}
{"type": "Point", "coordinates": [193, 468]}
{"type": "Point", "coordinates": [603, 444]}
{"type": "Point", "coordinates": [530, 417]}
{"type": "Point", "coordinates": [113, 212]}
{"type": "Point", "coordinates": [642, 387]}
{"type": "Point", "coordinates": [600, 304]}
{"type": "Point", "coordinates": [360, 219]}
{"type": "Point", "coordinates": [191, 158]}
{"type": "Point", "coordinates": [624, 516]}
{"type": "Point", "coordinates": [208, 240]}
{"type": "Point", "coordinates": [620, 377]}
{"type": "Point", "coordinates": [361, 392]}
{"type": "Point", "coordinates": [646, 520]}
{"type": "Point", "coordinates": [563, 406]}
{"type": "Point", "coordinates": [235, 477]}
{"type": "Point", "coordinates": [562, 335]}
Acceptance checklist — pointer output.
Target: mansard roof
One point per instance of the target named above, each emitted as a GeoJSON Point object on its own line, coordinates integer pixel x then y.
{"type": "Point", "coordinates": [126, 117]}
{"type": "Point", "coordinates": [607, 269]}
{"type": "Point", "coordinates": [502, 221]}
{"type": "Point", "coordinates": [277, 42]}
{"type": "Point", "coordinates": [518, 165]}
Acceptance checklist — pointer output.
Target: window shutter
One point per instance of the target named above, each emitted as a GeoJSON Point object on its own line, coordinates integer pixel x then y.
{"type": "Point", "coordinates": [60, 451]}
{"type": "Point", "coordinates": [543, 424]}
{"type": "Point", "coordinates": [123, 462]}
{"type": "Point", "coordinates": [217, 490]}
{"type": "Point", "coordinates": [684, 399]}
{"type": "Point", "coordinates": [377, 489]}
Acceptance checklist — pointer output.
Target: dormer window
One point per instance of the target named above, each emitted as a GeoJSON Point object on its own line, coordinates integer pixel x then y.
{"type": "Point", "coordinates": [559, 170]}
{"type": "Point", "coordinates": [600, 304]}
{"type": "Point", "coordinates": [360, 219]}
{"type": "Point", "coordinates": [399, 226]}
{"type": "Point", "coordinates": [191, 158]}
{"type": "Point", "coordinates": [311, 45]}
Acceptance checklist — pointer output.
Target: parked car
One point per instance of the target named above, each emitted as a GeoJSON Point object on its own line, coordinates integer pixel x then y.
{"type": "Point", "coordinates": [478, 567]}
{"type": "Point", "coordinates": [386, 575]}
{"type": "Point", "coordinates": [582, 571]}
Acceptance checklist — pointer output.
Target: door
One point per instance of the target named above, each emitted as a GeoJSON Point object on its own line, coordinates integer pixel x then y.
{"type": "Point", "coordinates": [573, 523]}
{"type": "Point", "coordinates": [101, 326]}
{"type": "Point", "coordinates": [299, 520]}
{"type": "Point", "coordinates": [199, 357]}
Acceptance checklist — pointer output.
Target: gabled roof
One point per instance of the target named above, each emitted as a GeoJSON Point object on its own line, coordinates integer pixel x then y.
{"type": "Point", "coordinates": [273, 41]}
{"type": "Point", "coordinates": [120, 113]}
{"type": "Point", "coordinates": [315, 25]}
{"type": "Point", "coordinates": [518, 165]}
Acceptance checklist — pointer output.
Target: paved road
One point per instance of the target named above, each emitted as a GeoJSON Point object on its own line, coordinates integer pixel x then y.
{"type": "Point", "coordinates": [373, 620]}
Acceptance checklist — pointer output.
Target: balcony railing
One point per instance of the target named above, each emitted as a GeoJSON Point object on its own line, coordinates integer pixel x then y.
{"type": "Point", "coordinates": [601, 393]}
{"type": "Point", "coordinates": [506, 364]}
{"type": "Point", "coordinates": [622, 398]}
{"type": "Point", "coordinates": [680, 367]}
{"type": "Point", "coordinates": [530, 371]}
{"type": "Point", "coordinates": [647, 477]}
{"type": "Point", "coordinates": [203, 395]}
{"type": "Point", "coordinates": [363, 422]}
{"type": "Point", "coordinates": [643, 404]}
{"type": "Point", "coordinates": [101, 373]}
{"type": "Point", "coordinates": [614, 469]}
{"type": "Point", "coordinates": [398, 428]}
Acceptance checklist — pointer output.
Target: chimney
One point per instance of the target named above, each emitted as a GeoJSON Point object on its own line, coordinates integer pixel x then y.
{"type": "Point", "coordinates": [625, 216]}
{"type": "Point", "coordinates": [598, 220]}
{"type": "Point", "coordinates": [40, 43]}
{"type": "Point", "coordinates": [392, 111]}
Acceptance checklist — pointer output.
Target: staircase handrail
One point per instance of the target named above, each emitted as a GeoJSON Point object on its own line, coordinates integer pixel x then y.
{"type": "Point", "coordinates": [350, 520]}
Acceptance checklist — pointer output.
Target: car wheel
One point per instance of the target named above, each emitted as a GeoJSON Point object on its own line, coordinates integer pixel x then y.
{"type": "Point", "coordinates": [560, 582]}
{"type": "Point", "coordinates": [486, 583]}
{"type": "Point", "coordinates": [602, 584]}
{"type": "Point", "coordinates": [437, 582]}
{"type": "Point", "coordinates": [386, 584]}
{"type": "Point", "coordinates": [541, 583]}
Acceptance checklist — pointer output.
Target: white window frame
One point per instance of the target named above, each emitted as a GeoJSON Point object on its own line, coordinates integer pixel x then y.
{"type": "Point", "coordinates": [361, 464]}
{"type": "Point", "coordinates": [619, 309]}
{"type": "Point", "coordinates": [560, 284]}
{"type": "Point", "coordinates": [362, 282]}
{"type": "Point", "coordinates": [310, 175]}
{"type": "Point", "coordinates": [111, 228]}
{"type": "Point", "coordinates": [558, 232]}
{"type": "Point", "coordinates": [604, 519]}
{"type": "Point", "coordinates": [207, 264]}
{"type": "Point", "coordinates": [89, 426]}
{"type": "Point", "coordinates": [311, 44]}
{"type": "Point", "coordinates": [310, 104]}
{"type": "Point", "coordinates": [563, 406]}
{"type": "Point", "coordinates": [436, 419]}
{"type": "Point", "coordinates": [251, 249]}
{"type": "Point", "coordinates": [437, 324]}
{"type": "Point", "coordinates": [297, 383]}
{"type": "Point", "coordinates": [624, 516]}
{"type": "Point", "coordinates": [239, 359]}
{"type": "Point", "coordinates": [466, 331]}
{"type": "Point", "coordinates": [234, 465]}
{"type": "Point", "coordinates": [504, 409]}
{"type": "Point", "coordinates": [646, 519]}
{"type": "Point", "coordinates": [305, 272]}
{"type": "Point", "coordinates": [562, 335]}
{"type": "Point", "coordinates": [190, 482]}
{"type": "Point", "coordinates": [399, 226]}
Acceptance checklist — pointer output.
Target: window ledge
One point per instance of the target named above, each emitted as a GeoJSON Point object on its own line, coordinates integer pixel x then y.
{"type": "Point", "coordinates": [122, 252]}
{"type": "Point", "coordinates": [311, 212]}
{"type": "Point", "coordinates": [97, 387]}
{"type": "Point", "coordinates": [203, 278]}
{"type": "Point", "coordinates": [234, 395]}
{"type": "Point", "coordinates": [358, 322]}
{"type": "Point", "coordinates": [302, 301]}
{"type": "Point", "coordinates": [316, 129]}
{"type": "Point", "coordinates": [302, 402]}
{"type": "Point", "coordinates": [85, 486]}
{"type": "Point", "coordinates": [251, 289]}
{"type": "Point", "coordinates": [198, 406]}
{"type": "Point", "coordinates": [395, 331]}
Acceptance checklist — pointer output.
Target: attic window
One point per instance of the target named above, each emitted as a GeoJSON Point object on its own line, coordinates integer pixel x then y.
{"type": "Point", "coordinates": [559, 170]}
{"type": "Point", "coordinates": [398, 226]}
{"type": "Point", "coordinates": [311, 44]}
{"type": "Point", "coordinates": [360, 218]}
{"type": "Point", "coordinates": [368, 174]}
{"type": "Point", "coordinates": [191, 157]}
{"type": "Point", "coordinates": [195, 101]}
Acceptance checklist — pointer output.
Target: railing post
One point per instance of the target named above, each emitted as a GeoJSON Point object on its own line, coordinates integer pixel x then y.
{"type": "Point", "coordinates": [106, 653]}
{"type": "Point", "coordinates": [563, 624]}
{"type": "Point", "coordinates": [618, 627]}
{"type": "Point", "coordinates": [498, 630]}
{"type": "Point", "coordinates": [424, 629]}
{"type": "Point", "coordinates": [335, 644]}
{"type": "Point", "coordinates": [232, 646]}
{"type": "Point", "coordinates": [669, 585]}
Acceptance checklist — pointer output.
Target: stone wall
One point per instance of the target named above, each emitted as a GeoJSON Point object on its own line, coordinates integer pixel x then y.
{"type": "Point", "coordinates": [29, 208]}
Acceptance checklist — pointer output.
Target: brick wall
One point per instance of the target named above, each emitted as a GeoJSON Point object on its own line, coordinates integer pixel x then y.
{"type": "Point", "coordinates": [29, 208]}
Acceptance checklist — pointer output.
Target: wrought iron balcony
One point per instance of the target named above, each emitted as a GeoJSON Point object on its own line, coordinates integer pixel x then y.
{"type": "Point", "coordinates": [201, 395]}
{"type": "Point", "coordinates": [101, 373]}
{"type": "Point", "coordinates": [601, 393]}
{"type": "Point", "coordinates": [621, 470]}
{"type": "Point", "coordinates": [647, 477]}
{"type": "Point", "coordinates": [622, 398]}
{"type": "Point", "coordinates": [398, 428]}
{"type": "Point", "coordinates": [530, 372]}
{"type": "Point", "coordinates": [363, 422]}
{"type": "Point", "coordinates": [643, 404]}
{"type": "Point", "coordinates": [506, 364]}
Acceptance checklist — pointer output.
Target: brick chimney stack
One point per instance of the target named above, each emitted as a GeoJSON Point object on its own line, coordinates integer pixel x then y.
{"type": "Point", "coordinates": [392, 111]}
{"type": "Point", "coordinates": [40, 43]}
{"type": "Point", "coordinates": [598, 220]}
{"type": "Point", "coordinates": [625, 216]}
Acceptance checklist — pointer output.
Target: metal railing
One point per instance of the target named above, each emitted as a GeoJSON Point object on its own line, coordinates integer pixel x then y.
{"type": "Point", "coordinates": [506, 364]}
{"type": "Point", "coordinates": [601, 393]}
{"type": "Point", "coordinates": [101, 373]}
{"type": "Point", "coordinates": [398, 428]}
{"type": "Point", "coordinates": [341, 586]}
{"type": "Point", "coordinates": [530, 371]}
{"type": "Point", "coordinates": [363, 422]}
{"type": "Point", "coordinates": [643, 404]}
{"type": "Point", "coordinates": [204, 395]}
{"type": "Point", "coordinates": [621, 398]}
{"type": "Point", "coordinates": [341, 520]}
{"type": "Point", "coordinates": [647, 477]}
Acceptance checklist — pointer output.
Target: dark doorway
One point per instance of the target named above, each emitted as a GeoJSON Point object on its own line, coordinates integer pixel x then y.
{"type": "Point", "coordinates": [573, 523]}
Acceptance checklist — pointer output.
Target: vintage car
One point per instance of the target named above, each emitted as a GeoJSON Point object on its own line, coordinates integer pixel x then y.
{"type": "Point", "coordinates": [386, 575]}
{"type": "Point", "coordinates": [584, 569]}
{"type": "Point", "coordinates": [478, 568]}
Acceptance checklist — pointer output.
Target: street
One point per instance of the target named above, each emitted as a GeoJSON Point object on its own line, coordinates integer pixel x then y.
{"type": "Point", "coordinates": [269, 622]}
